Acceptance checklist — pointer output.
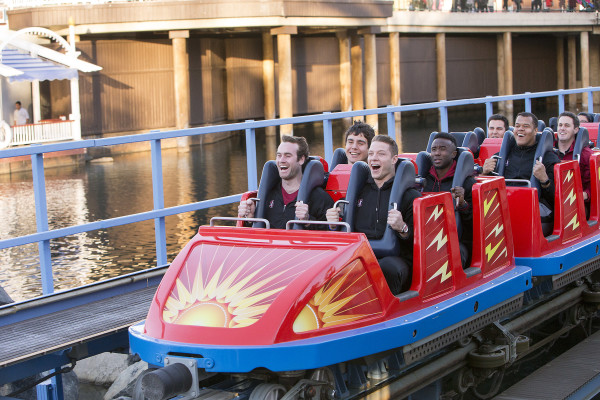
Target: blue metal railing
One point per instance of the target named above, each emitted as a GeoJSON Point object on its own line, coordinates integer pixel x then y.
{"type": "Point", "coordinates": [44, 235]}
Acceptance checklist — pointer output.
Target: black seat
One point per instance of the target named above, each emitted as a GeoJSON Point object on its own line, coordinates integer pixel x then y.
{"type": "Point", "coordinates": [553, 123]}
{"type": "Point", "coordinates": [480, 133]}
{"type": "Point", "coordinates": [339, 157]}
{"type": "Point", "coordinates": [541, 126]}
{"type": "Point", "coordinates": [464, 168]}
{"type": "Point", "coordinates": [389, 244]}
{"type": "Point", "coordinates": [581, 140]}
{"type": "Point", "coordinates": [313, 176]}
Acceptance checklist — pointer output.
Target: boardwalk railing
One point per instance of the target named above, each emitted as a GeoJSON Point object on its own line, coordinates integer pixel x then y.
{"type": "Point", "coordinates": [44, 234]}
{"type": "Point", "coordinates": [45, 131]}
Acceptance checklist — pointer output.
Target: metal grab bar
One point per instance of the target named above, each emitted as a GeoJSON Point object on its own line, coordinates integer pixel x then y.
{"type": "Point", "coordinates": [266, 222]}
{"type": "Point", "coordinates": [297, 221]}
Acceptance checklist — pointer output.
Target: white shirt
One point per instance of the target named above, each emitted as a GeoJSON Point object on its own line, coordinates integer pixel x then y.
{"type": "Point", "coordinates": [21, 116]}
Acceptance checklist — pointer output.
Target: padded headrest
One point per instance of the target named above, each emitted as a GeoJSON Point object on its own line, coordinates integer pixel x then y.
{"type": "Point", "coordinates": [430, 142]}
{"type": "Point", "coordinates": [545, 144]}
{"type": "Point", "coordinates": [312, 177]}
{"type": "Point", "coordinates": [464, 166]}
{"type": "Point", "coordinates": [553, 123]}
{"type": "Point", "coordinates": [541, 125]}
{"type": "Point", "coordinates": [268, 180]}
{"type": "Point", "coordinates": [339, 157]}
{"type": "Point", "coordinates": [581, 140]}
{"type": "Point", "coordinates": [480, 134]}
{"type": "Point", "coordinates": [424, 162]}
{"type": "Point", "coordinates": [471, 142]}
{"type": "Point", "coordinates": [507, 144]}
{"type": "Point", "coordinates": [597, 117]}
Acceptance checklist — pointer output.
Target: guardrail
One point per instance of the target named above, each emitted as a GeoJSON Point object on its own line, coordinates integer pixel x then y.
{"type": "Point", "coordinates": [44, 131]}
{"type": "Point", "coordinates": [44, 234]}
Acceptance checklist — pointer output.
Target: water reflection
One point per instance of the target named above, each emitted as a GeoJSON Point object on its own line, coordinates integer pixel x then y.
{"type": "Point", "coordinates": [93, 192]}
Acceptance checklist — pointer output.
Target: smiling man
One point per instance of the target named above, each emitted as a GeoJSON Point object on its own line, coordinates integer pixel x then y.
{"type": "Point", "coordinates": [497, 125]}
{"type": "Point", "coordinates": [358, 140]}
{"type": "Point", "coordinates": [373, 214]}
{"type": "Point", "coordinates": [568, 126]}
{"type": "Point", "coordinates": [282, 206]}
{"type": "Point", "coordinates": [520, 161]}
{"type": "Point", "coordinates": [439, 179]}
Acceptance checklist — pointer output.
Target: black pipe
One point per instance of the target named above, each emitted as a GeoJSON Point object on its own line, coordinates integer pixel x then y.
{"type": "Point", "coordinates": [167, 382]}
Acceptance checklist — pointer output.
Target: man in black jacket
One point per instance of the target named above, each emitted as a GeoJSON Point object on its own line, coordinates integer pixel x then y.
{"type": "Point", "coordinates": [373, 216]}
{"type": "Point", "coordinates": [282, 206]}
{"type": "Point", "coordinates": [439, 179]}
{"type": "Point", "coordinates": [520, 162]}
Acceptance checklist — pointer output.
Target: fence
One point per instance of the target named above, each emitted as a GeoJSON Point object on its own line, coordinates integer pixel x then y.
{"type": "Point", "coordinates": [158, 214]}
{"type": "Point", "coordinates": [44, 131]}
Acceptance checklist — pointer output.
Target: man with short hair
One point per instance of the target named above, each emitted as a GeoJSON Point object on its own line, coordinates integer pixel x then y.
{"type": "Point", "coordinates": [373, 216]}
{"type": "Point", "coordinates": [568, 126]}
{"type": "Point", "coordinates": [20, 115]}
{"type": "Point", "coordinates": [281, 202]}
{"type": "Point", "coordinates": [358, 140]}
{"type": "Point", "coordinates": [585, 117]}
{"type": "Point", "coordinates": [520, 161]}
{"type": "Point", "coordinates": [439, 179]}
{"type": "Point", "coordinates": [497, 125]}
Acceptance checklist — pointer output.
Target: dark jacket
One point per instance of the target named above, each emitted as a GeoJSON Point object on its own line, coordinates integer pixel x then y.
{"type": "Point", "coordinates": [372, 213]}
{"type": "Point", "coordinates": [519, 165]}
{"type": "Point", "coordinates": [278, 213]}
{"type": "Point", "coordinates": [433, 184]}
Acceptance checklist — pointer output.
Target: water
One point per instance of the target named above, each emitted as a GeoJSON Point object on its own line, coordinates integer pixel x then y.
{"type": "Point", "coordinates": [92, 192]}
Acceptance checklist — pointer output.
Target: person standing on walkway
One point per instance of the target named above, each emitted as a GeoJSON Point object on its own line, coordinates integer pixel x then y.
{"type": "Point", "coordinates": [20, 115]}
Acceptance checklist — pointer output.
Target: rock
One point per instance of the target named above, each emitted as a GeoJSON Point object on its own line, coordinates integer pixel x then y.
{"type": "Point", "coordinates": [123, 386]}
{"type": "Point", "coordinates": [102, 369]}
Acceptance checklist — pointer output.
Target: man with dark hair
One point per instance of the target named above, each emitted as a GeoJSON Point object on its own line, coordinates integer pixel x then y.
{"type": "Point", "coordinates": [439, 179]}
{"type": "Point", "coordinates": [20, 115]}
{"type": "Point", "coordinates": [358, 140]}
{"type": "Point", "coordinates": [520, 161]}
{"type": "Point", "coordinates": [585, 117]}
{"type": "Point", "coordinates": [373, 216]}
{"type": "Point", "coordinates": [567, 127]}
{"type": "Point", "coordinates": [497, 125]}
{"type": "Point", "coordinates": [282, 207]}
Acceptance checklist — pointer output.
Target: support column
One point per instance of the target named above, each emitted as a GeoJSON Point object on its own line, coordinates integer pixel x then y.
{"type": "Point", "coordinates": [395, 83]}
{"type": "Point", "coordinates": [371, 76]}
{"type": "Point", "coordinates": [595, 67]}
{"type": "Point", "coordinates": [508, 74]}
{"type": "Point", "coordinates": [284, 57]}
{"type": "Point", "coordinates": [560, 63]}
{"type": "Point", "coordinates": [269, 81]}
{"type": "Point", "coordinates": [182, 78]}
{"type": "Point", "coordinates": [440, 49]}
{"type": "Point", "coordinates": [572, 71]}
{"type": "Point", "coordinates": [345, 71]}
{"type": "Point", "coordinates": [585, 67]}
{"type": "Point", "coordinates": [501, 65]}
{"type": "Point", "coordinates": [74, 83]}
{"type": "Point", "coordinates": [35, 101]}
{"type": "Point", "coordinates": [357, 73]}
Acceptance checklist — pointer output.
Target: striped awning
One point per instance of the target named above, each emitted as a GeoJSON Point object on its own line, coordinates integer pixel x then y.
{"type": "Point", "coordinates": [18, 65]}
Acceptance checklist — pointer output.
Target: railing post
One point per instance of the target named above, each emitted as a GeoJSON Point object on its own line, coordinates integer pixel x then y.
{"type": "Point", "coordinates": [528, 103]}
{"type": "Point", "coordinates": [160, 232]}
{"type": "Point", "coordinates": [561, 102]}
{"type": "Point", "coordinates": [443, 118]}
{"type": "Point", "coordinates": [391, 123]}
{"type": "Point", "coordinates": [327, 139]}
{"type": "Point", "coordinates": [41, 219]}
{"type": "Point", "coordinates": [489, 110]}
{"type": "Point", "coordinates": [590, 101]}
{"type": "Point", "coordinates": [251, 157]}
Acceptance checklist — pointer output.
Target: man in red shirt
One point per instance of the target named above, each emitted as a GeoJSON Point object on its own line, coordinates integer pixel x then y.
{"type": "Point", "coordinates": [568, 126]}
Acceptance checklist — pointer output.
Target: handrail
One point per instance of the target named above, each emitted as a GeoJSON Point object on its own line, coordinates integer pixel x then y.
{"type": "Point", "coordinates": [159, 212]}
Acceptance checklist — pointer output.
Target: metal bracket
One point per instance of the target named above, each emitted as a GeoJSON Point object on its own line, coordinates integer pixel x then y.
{"type": "Point", "coordinates": [192, 365]}
{"type": "Point", "coordinates": [509, 340]}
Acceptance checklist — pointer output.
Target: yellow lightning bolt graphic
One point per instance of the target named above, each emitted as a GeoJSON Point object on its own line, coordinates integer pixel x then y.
{"type": "Point", "coordinates": [573, 222]}
{"type": "Point", "coordinates": [436, 213]}
{"type": "Point", "coordinates": [497, 229]}
{"type": "Point", "coordinates": [443, 272]}
{"type": "Point", "coordinates": [439, 239]}
{"type": "Point", "coordinates": [568, 176]}
{"type": "Point", "coordinates": [488, 204]}
{"type": "Point", "coordinates": [489, 252]}
{"type": "Point", "coordinates": [571, 197]}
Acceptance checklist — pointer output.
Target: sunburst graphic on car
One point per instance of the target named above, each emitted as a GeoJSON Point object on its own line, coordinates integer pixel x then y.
{"type": "Point", "coordinates": [232, 287]}
{"type": "Point", "coordinates": [346, 298]}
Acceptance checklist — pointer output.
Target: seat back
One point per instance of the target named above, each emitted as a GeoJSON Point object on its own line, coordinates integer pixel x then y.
{"type": "Point", "coordinates": [480, 133]}
{"type": "Point", "coordinates": [339, 157]}
{"type": "Point", "coordinates": [541, 125]}
{"type": "Point", "coordinates": [389, 244]}
{"type": "Point", "coordinates": [508, 142]}
{"type": "Point", "coordinates": [581, 140]}
{"type": "Point", "coordinates": [553, 123]}
{"type": "Point", "coordinates": [545, 144]}
{"type": "Point", "coordinates": [430, 142]}
{"type": "Point", "coordinates": [313, 176]}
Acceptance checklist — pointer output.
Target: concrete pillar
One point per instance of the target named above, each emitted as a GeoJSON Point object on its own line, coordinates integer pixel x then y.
{"type": "Point", "coordinates": [395, 84]}
{"type": "Point", "coordinates": [560, 63]}
{"type": "Point", "coordinates": [371, 78]}
{"type": "Point", "coordinates": [269, 80]}
{"type": "Point", "coordinates": [357, 73]}
{"type": "Point", "coordinates": [508, 74]}
{"type": "Point", "coordinates": [440, 49]}
{"type": "Point", "coordinates": [182, 78]}
{"type": "Point", "coordinates": [284, 57]}
{"type": "Point", "coordinates": [500, 62]}
{"type": "Point", "coordinates": [572, 71]}
{"type": "Point", "coordinates": [35, 101]}
{"type": "Point", "coordinates": [75, 109]}
{"type": "Point", "coordinates": [585, 66]}
{"type": "Point", "coordinates": [595, 67]}
{"type": "Point", "coordinates": [345, 74]}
